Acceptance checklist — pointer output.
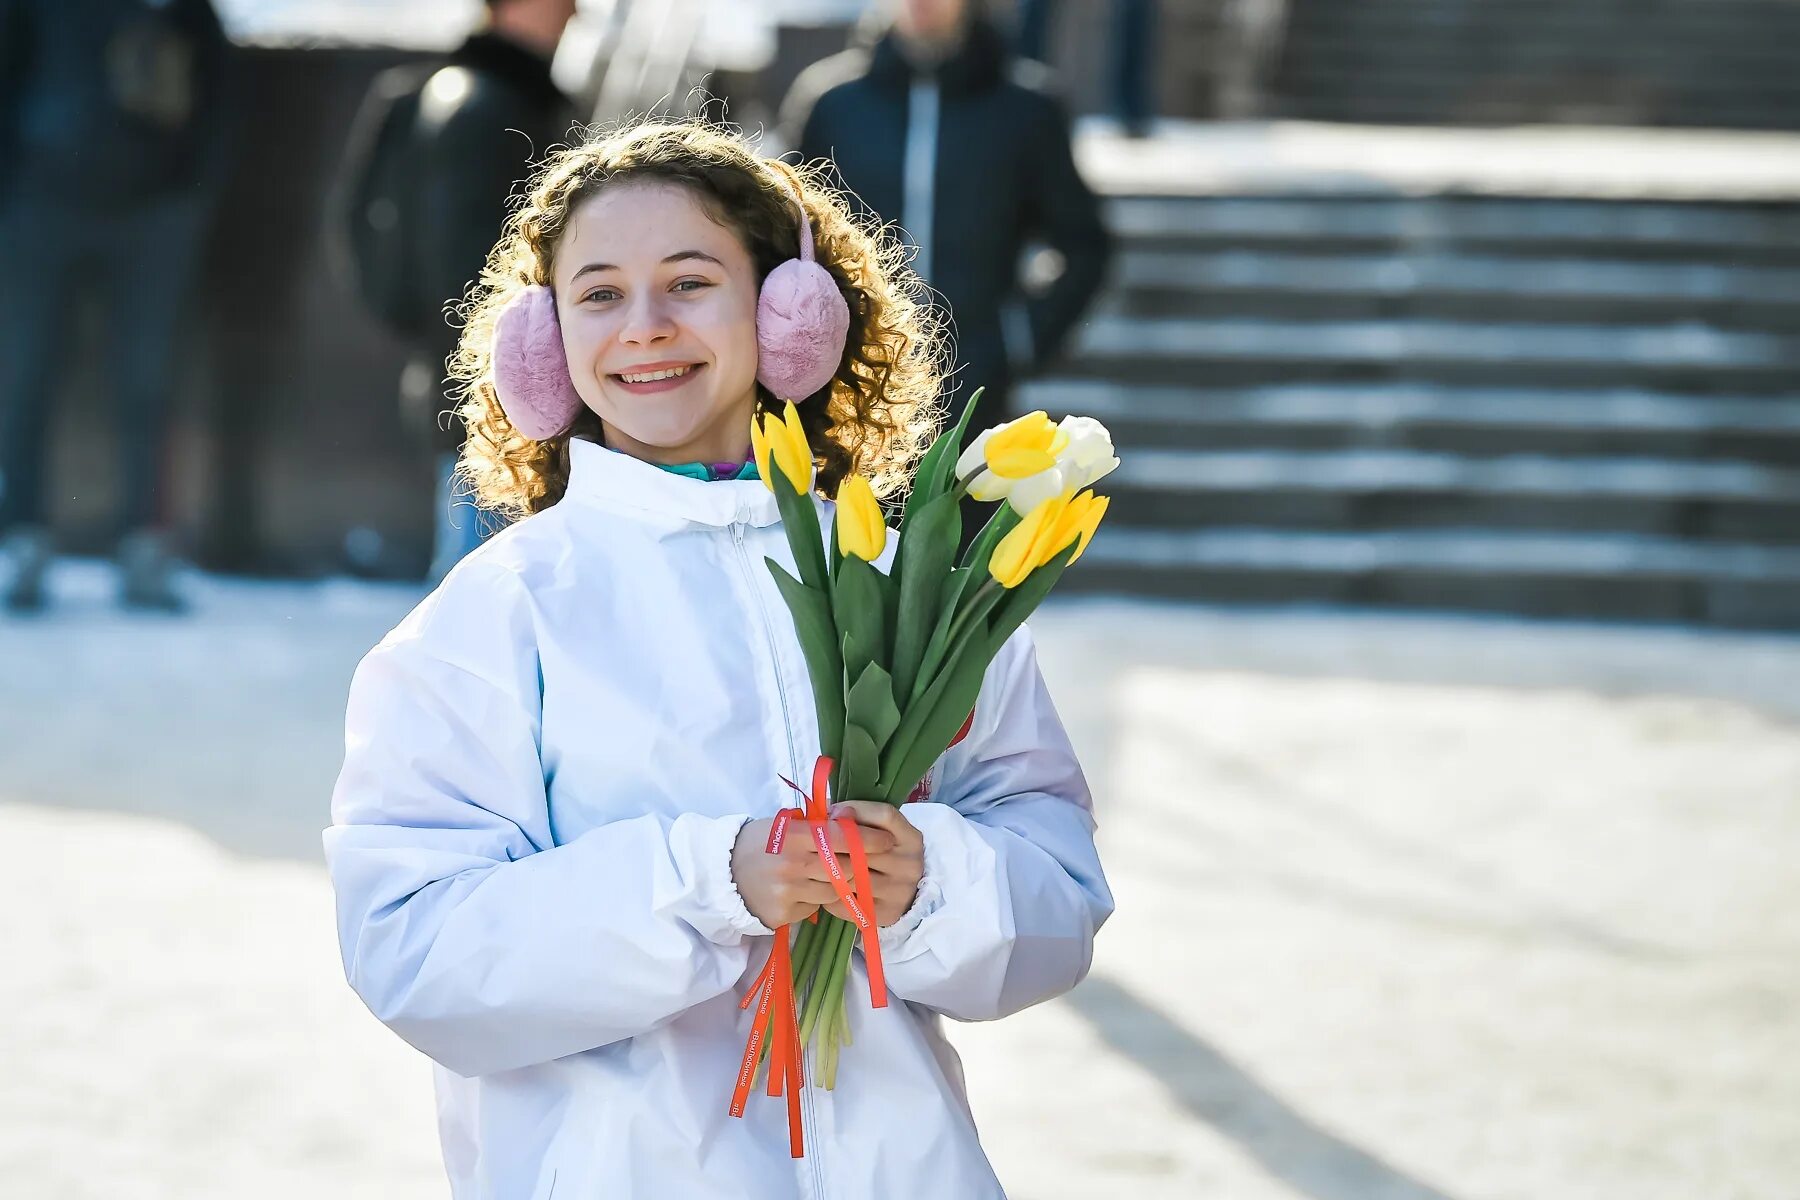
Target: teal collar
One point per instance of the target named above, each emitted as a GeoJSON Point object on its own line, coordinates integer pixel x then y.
{"type": "Point", "coordinates": [709, 472]}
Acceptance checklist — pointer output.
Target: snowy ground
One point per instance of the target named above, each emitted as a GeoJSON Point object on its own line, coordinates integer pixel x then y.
{"type": "Point", "coordinates": [1410, 909]}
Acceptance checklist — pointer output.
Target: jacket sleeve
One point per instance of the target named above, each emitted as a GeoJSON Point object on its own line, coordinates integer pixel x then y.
{"type": "Point", "coordinates": [463, 925]}
{"type": "Point", "coordinates": [1012, 893]}
{"type": "Point", "coordinates": [1064, 215]}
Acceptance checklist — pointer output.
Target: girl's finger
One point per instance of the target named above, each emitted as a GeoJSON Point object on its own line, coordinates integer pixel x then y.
{"type": "Point", "coordinates": [886, 817]}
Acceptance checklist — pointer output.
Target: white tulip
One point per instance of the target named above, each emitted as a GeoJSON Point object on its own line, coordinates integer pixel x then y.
{"type": "Point", "coordinates": [1080, 448]}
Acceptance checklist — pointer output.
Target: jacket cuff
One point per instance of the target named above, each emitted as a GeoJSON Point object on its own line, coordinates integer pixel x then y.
{"type": "Point", "coordinates": [927, 816]}
{"type": "Point", "coordinates": [722, 915]}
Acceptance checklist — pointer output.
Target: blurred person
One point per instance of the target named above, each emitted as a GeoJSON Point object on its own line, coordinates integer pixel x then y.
{"type": "Point", "coordinates": [433, 160]}
{"type": "Point", "coordinates": [1130, 67]}
{"type": "Point", "coordinates": [112, 138]}
{"type": "Point", "coordinates": [549, 836]}
{"type": "Point", "coordinates": [933, 127]}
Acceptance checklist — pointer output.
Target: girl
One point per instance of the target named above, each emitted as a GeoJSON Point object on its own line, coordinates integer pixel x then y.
{"type": "Point", "coordinates": [548, 837]}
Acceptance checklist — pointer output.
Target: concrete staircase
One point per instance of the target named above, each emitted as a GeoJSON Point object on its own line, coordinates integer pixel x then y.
{"type": "Point", "coordinates": [1711, 63]}
{"type": "Point", "coordinates": [1550, 407]}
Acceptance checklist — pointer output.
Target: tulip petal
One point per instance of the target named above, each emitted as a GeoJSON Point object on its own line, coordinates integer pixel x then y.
{"type": "Point", "coordinates": [975, 457]}
{"type": "Point", "coordinates": [1025, 495]}
{"type": "Point", "coordinates": [988, 486]}
{"type": "Point", "coordinates": [861, 530]}
{"type": "Point", "coordinates": [759, 444]}
{"type": "Point", "coordinates": [1020, 463]}
{"type": "Point", "coordinates": [1011, 560]}
{"type": "Point", "coordinates": [1090, 523]}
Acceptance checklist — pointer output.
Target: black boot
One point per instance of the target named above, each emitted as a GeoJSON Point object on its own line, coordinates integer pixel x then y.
{"type": "Point", "coordinates": [147, 573]}
{"type": "Point", "coordinates": [27, 553]}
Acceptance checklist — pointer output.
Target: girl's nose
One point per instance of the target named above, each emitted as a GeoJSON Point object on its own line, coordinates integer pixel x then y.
{"type": "Point", "coordinates": [648, 321]}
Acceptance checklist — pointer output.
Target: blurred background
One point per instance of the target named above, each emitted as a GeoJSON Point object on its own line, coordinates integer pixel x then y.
{"type": "Point", "coordinates": [1436, 671]}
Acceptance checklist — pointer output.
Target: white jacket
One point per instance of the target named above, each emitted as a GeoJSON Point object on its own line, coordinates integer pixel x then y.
{"type": "Point", "coordinates": [547, 764]}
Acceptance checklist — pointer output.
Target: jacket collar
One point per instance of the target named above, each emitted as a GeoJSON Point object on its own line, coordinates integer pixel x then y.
{"type": "Point", "coordinates": [976, 65]}
{"type": "Point", "coordinates": [614, 480]}
{"type": "Point", "coordinates": [512, 64]}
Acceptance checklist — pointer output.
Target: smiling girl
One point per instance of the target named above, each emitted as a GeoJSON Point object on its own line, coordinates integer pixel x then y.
{"type": "Point", "coordinates": [548, 837]}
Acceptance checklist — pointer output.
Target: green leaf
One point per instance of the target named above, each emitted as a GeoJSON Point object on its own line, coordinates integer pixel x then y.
{"type": "Point", "coordinates": [859, 767]}
{"type": "Point", "coordinates": [861, 615]}
{"type": "Point", "coordinates": [981, 596]}
{"type": "Point", "coordinates": [824, 664]}
{"type": "Point", "coordinates": [800, 520]}
{"type": "Point", "coordinates": [943, 468]}
{"type": "Point", "coordinates": [931, 721]}
{"type": "Point", "coordinates": [870, 705]}
{"type": "Point", "coordinates": [926, 554]}
{"type": "Point", "coordinates": [1004, 521]}
{"type": "Point", "coordinates": [939, 642]}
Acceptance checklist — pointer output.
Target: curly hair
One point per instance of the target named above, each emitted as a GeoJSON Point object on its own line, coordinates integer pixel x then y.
{"type": "Point", "coordinates": [881, 409]}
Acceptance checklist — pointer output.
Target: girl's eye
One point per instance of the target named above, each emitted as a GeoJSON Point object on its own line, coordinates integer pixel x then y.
{"type": "Point", "coordinates": [600, 294]}
{"type": "Point", "coordinates": [691, 285]}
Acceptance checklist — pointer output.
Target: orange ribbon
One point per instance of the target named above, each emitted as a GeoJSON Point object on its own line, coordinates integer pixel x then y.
{"type": "Point", "coordinates": [773, 991]}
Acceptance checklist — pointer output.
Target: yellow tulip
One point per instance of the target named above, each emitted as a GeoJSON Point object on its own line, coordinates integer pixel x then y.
{"type": "Point", "coordinates": [861, 530]}
{"type": "Point", "coordinates": [1025, 446]}
{"type": "Point", "coordinates": [1027, 461]}
{"type": "Point", "coordinates": [783, 440]}
{"type": "Point", "coordinates": [1022, 551]}
{"type": "Point", "coordinates": [759, 446]}
{"type": "Point", "coordinates": [1090, 521]}
{"type": "Point", "coordinates": [1046, 532]}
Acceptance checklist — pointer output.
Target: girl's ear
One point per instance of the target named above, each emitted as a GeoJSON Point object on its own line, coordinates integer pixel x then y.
{"type": "Point", "coordinates": [531, 370]}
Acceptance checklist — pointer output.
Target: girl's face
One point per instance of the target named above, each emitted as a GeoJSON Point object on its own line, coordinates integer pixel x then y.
{"type": "Point", "coordinates": [658, 309]}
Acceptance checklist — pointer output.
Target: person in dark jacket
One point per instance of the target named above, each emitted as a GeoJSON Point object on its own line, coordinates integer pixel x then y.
{"type": "Point", "coordinates": [483, 118]}
{"type": "Point", "coordinates": [935, 128]}
{"type": "Point", "coordinates": [112, 145]}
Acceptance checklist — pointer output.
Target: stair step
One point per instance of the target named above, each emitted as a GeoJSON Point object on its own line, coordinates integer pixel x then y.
{"type": "Point", "coordinates": [1400, 489]}
{"type": "Point", "coordinates": [1224, 352]}
{"type": "Point", "coordinates": [1286, 284]}
{"type": "Point", "coordinates": [1706, 233]}
{"type": "Point", "coordinates": [1402, 470]}
{"type": "Point", "coordinates": [1469, 421]}
{"type": "Point", "coordinates": [1628, 577]}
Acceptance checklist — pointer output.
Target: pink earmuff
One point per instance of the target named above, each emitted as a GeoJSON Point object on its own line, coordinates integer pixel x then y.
{"type": "Point", "coordinates": [801, 323]}
{"type": "Point", "coordinates": [531, 371]}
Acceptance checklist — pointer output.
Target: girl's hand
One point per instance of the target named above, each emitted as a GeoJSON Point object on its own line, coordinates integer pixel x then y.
{"type": "Point", "coordinates": [780, 889]}
{"type": "Point", "coordinates": [896, 851]}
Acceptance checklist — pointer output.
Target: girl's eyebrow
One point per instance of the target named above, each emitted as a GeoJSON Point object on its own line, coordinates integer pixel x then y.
{"type": "Point", "coordinates": [678, 256]}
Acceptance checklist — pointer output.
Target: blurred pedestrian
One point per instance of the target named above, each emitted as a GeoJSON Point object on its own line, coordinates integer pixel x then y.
{"type": "Point", "coordinates": [934, 127]}
{"type": "Point", "coordinates": [1130, 62]}
{"type": "Point", "coordinates": [111, 148]}
{"type": "Point", "coordinates": [434, 157]}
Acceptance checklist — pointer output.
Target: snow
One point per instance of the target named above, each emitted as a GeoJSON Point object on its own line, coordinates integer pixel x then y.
{"type": "Point", "coordinates": [1410, 907]}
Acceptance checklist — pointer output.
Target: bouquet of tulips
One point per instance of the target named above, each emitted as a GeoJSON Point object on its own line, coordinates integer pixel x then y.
{"type": "Point", "coordinates": [897, 659]}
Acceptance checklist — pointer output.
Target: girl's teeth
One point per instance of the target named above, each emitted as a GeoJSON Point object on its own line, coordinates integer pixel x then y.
{"type": "Point", "coordinates": [671, 373]}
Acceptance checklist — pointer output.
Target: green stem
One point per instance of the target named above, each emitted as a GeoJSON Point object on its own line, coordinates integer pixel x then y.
{"type": "Point", "coordinates": [806, 950]}
{"type": "Point", "coordinates": [987, 588]}
{"type": "Point", "coordinates": [832, 1014]}
{"type": "Point", "coordinates": [821, 989]}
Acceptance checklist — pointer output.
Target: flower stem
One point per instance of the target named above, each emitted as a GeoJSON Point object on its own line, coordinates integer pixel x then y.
{"type": "Point", "coordinates": [821, 975]}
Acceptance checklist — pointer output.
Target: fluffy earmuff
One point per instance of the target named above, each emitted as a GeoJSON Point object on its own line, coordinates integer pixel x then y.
{"type": "Point", "coordinates": [531, 372]}
{"type": "Point", "coordinates": [801, 323]}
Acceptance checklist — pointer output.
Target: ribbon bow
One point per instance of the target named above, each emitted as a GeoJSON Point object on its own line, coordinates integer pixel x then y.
{"type": "Point", "coordinates": [773, 990]}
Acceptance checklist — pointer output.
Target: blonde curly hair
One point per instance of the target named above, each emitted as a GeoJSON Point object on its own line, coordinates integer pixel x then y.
{"type": "Point", "coordinates": [876, 417]}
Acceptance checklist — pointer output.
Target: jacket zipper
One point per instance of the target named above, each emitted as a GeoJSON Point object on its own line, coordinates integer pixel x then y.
{"type": "Point", "coordinates": [919, 170]}
{"type": "Point", "coordinates": [809, 1123]}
